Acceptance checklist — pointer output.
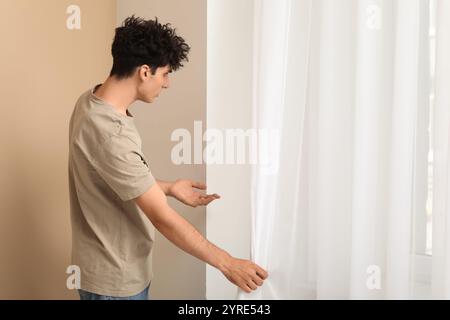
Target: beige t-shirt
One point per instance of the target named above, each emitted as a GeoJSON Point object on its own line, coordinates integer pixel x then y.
{"type": "Point", "coordinates": [112, 239]}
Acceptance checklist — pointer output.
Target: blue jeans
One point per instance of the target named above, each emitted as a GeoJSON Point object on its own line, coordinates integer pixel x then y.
{"type": "Point", "coordinates": [85, 295]}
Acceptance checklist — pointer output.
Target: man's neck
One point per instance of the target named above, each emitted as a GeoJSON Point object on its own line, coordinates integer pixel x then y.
{"type": "Point", "coordinates": [118, 93]}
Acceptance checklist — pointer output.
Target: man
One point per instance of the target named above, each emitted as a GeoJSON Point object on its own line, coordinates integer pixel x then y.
{"type": "Point", "coordinates": [113, 195]}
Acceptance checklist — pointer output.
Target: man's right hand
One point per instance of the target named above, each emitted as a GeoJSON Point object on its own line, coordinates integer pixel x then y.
{"type": "Point", "coordinates": [244, 273]}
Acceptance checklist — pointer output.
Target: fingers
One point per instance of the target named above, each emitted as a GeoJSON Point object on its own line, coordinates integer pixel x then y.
{"type": "Point", "coordinates": [246, 288]}
{"type": "Point", "coordinates": [252, 285]}
{"type": "Point", "coordinates": [255, 278]}
{"type": "Point", "coordinates": [258, 281]}
{"type": "Point", "coordinates": [258, 276]}
{"type": "Point", "coordinates": [199, 199]}
{"type": "Point", "coordinates": [206, 199]}
{"type": "Point", "coordinates": [261, 272]}
{"type": "Point", "coordinates": [202, 186]}
{"type": "Point", "coordinates": [245, 274]}
{"type": "Point", "coordinates": [212, 197]}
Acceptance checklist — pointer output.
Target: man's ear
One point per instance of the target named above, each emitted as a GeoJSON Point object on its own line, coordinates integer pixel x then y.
{"type": "Point", "coordinates": [145, 70]}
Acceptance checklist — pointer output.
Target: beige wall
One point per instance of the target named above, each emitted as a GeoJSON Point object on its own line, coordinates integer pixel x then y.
{"type": "Point", "coordinates": [177, 275]}
{"type": "Point", "coordinates": [44, 68]}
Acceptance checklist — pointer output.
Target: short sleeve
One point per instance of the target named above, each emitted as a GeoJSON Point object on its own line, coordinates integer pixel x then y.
{"type": "Point", "coordinates": [121, 163]}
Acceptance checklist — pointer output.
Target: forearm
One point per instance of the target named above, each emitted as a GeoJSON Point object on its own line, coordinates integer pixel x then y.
{"type": "Point", "coordinates": [184, 235]}
{"type": "Point", "coordinates": [178, 230]}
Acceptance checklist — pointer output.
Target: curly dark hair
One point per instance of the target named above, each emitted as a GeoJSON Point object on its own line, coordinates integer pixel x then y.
{"type": "Point", "coordinates": [138, 42]}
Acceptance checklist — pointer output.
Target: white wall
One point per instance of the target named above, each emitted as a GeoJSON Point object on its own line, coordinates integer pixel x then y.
{"type": "Point", "coordinates": [229, 106]}
{"type": "Point", "coordinates": [177, 275]}
{"type": "Point", "coordinates": [229, 94]}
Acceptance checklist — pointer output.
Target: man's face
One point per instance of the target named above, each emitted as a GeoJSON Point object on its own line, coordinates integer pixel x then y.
{"type": "Point", "coordinates": [151, 85]}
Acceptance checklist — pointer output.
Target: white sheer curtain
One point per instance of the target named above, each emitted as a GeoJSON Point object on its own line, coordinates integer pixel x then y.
{"type": "Point", "coordinates": [346, 84]}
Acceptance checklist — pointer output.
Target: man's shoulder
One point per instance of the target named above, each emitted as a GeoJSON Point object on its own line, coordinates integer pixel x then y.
{"type": "Point", "coordinates": [98, 123]}
{"type": "Point", "coordinates": [93, 127]}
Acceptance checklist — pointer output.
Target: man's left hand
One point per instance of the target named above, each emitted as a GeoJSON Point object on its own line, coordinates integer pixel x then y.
{"type": "Point", "coordinates": [183, 190]}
